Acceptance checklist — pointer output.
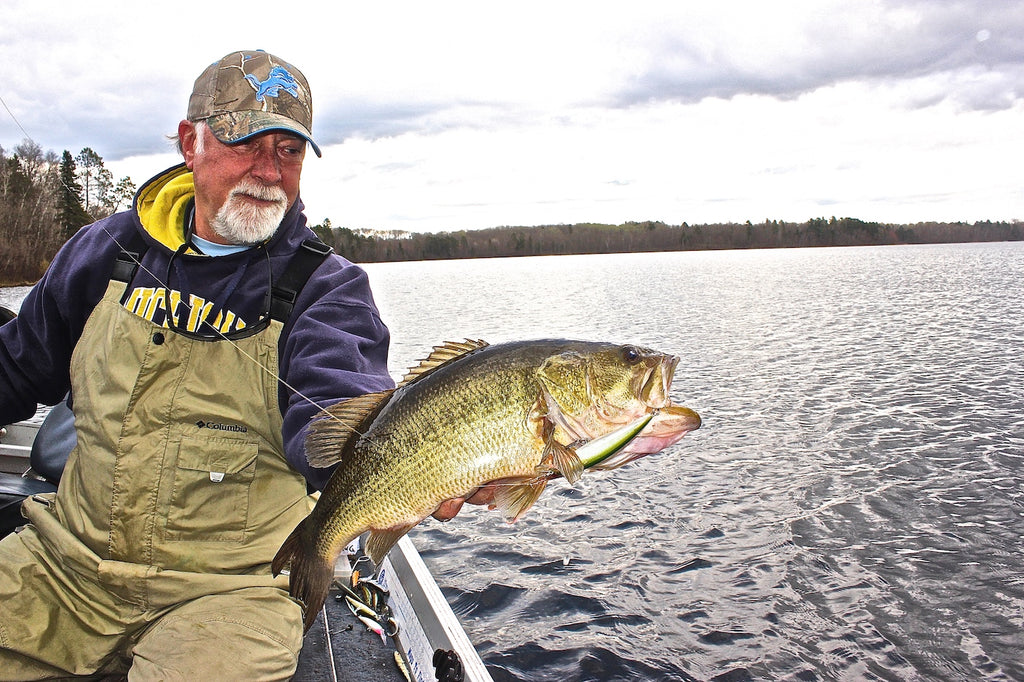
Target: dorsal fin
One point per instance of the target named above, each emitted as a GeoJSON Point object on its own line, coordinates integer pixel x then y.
{"type": "Point", "coordinates": [440, 355]}
{"type": "Point", "coordinates": [330, 434]}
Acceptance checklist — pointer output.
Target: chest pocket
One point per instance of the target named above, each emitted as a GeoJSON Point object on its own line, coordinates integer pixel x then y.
{"type": "Point", "coordinates": [212, 483]}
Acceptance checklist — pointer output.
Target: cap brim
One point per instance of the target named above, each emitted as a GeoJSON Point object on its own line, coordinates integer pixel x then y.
{"type": "Point", "coordinates": [237, 126]}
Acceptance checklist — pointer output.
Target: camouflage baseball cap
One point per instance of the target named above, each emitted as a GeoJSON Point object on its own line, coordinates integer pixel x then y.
{"type": "Point", "coordinates": [250, 92]}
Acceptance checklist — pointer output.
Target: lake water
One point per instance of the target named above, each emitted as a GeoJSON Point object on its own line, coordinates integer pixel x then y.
{"type": "Point", "coordinates": [852, 507]}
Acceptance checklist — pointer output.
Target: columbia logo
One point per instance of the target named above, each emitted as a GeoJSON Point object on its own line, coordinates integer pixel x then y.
{"type": "Point", "coordinates": [221, 427]}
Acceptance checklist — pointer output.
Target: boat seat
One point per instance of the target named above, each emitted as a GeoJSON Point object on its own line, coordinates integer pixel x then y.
{"type": "Point", "coordinates": [54, 442]}
{"type": "Point", "coordinates": [47, 457]}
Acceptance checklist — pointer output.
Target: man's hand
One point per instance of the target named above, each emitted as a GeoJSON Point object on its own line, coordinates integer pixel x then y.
{"type": "Point", "coordinates": [450, 508]}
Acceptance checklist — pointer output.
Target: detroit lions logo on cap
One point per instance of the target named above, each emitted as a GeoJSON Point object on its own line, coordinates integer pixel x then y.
{"type": "Point", "coordinates": [278, 79]}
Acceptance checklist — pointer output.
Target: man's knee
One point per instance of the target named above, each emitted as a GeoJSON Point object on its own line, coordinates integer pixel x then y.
{"type": "Point", "coordinates": [50, 627]}
{"type": "Point", "coordinates": [254, 633]}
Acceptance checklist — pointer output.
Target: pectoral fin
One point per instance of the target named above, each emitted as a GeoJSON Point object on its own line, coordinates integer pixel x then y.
{"type": "Point", "coordinates": [555, 456]}
{"type": "Point", "coordinates": [564, 460]}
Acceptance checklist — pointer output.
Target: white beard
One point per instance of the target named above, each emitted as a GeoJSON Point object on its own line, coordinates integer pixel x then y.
{"type": "Point", "coordinates": [239, 221]}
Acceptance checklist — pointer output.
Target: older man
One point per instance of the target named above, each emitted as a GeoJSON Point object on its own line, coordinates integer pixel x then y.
{"type": "Point", "coordinates": [197, 333]}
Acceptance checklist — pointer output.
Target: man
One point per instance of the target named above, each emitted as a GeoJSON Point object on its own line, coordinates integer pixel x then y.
{"type": "Point", "coordinates": [197, 334]}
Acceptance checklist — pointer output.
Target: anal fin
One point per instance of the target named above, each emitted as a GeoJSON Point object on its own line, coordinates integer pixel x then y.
{"type": "Point", "coordinates": [381, 540]}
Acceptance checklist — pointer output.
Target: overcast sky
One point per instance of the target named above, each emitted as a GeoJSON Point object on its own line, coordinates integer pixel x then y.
{"type": "Point", "coordinates": [440, 116]}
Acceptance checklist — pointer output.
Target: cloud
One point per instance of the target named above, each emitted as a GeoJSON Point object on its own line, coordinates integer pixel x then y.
{"type": "Point", "coordinates": [414, 67]}
{"type": "Point", "coordinates": [477, 114]}
{"type": "Point", "coordinates": [768, 50]}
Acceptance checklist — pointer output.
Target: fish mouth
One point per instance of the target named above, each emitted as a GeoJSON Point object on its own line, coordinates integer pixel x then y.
{"type": "Point", "coordinates": [668, 427]}
{"type": "Point", "coordinates": [673, 422]}
{"type": "Point", "coordinates": [654, 392]}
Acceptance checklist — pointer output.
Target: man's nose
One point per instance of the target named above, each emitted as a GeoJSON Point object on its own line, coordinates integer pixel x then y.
{"type": "Point", "coordinates": [265, 165]}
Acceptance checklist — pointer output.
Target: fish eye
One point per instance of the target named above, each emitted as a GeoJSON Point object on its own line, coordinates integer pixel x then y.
{"type": "Point", "coordinates": [631, 354]}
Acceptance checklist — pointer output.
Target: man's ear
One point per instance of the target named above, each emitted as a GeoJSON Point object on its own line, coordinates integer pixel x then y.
{"type": "Point", "coordinates": [187, 137]}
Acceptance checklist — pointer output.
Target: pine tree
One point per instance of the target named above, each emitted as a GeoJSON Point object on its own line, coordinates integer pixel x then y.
{"type": "Point", "coordinates": [71, 213]}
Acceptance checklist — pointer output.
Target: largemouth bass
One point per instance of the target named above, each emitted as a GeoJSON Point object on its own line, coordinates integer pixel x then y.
{"type": "Point", "coordinates": [471, 414]}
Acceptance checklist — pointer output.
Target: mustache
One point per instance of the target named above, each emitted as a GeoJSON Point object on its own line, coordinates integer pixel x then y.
{"type": "Point", "coordinates": [261, 192]}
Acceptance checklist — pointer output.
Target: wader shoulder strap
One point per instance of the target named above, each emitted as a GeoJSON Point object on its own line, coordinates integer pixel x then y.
{"type": "Point", "coordinates": [286, 290]}
{"type": "Point", "coordinates": [283, 293]}
{"type": "Point", "coordinates": [128, 259]}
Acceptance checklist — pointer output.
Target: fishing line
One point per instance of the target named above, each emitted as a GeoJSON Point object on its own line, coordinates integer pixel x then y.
{"type": "Point", "coordinates": [188, 307]}
{"type": "Point", "coordinates": [16, 122]}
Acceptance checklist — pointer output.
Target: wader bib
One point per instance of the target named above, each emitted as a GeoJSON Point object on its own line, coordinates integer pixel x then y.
{"type": "Point", "coordinates": [178, 489]}
{"type": "Point", "coordinates": [180, 462]}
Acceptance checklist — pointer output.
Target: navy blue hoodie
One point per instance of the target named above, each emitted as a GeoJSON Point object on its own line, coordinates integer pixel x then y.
{"type": "Point", "coordinates": [333, 346]}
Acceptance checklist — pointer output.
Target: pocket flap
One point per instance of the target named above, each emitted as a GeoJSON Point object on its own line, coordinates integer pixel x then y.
{"type": "Point", "coordinates": [216, 455]}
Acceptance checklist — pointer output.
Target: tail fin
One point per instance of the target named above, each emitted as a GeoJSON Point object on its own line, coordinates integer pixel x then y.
{"type": "Point", "coordinates": [310, 575]}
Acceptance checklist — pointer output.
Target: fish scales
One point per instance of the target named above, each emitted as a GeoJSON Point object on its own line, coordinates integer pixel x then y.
{"type": "Point", "coordinates": [435, 468]}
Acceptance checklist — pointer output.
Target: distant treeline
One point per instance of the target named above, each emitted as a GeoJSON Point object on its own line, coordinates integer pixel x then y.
{"type": "Point", "coordinates": [370, 247]}
{"type": "Point", "coordinates": [44, 199]}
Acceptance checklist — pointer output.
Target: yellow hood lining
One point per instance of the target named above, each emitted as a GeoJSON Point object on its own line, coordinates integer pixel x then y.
{"type": "Point", "coordinates": [162, 205]}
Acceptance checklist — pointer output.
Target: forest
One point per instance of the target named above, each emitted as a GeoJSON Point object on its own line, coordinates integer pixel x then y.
{"type": "Point", "coordinates": [45, 198]}
{"type": "Point", "coordinates": [499, 242]}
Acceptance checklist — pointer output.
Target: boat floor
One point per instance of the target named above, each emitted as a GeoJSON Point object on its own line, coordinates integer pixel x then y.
{"type": "Point", "coordinates": [339, 647]}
